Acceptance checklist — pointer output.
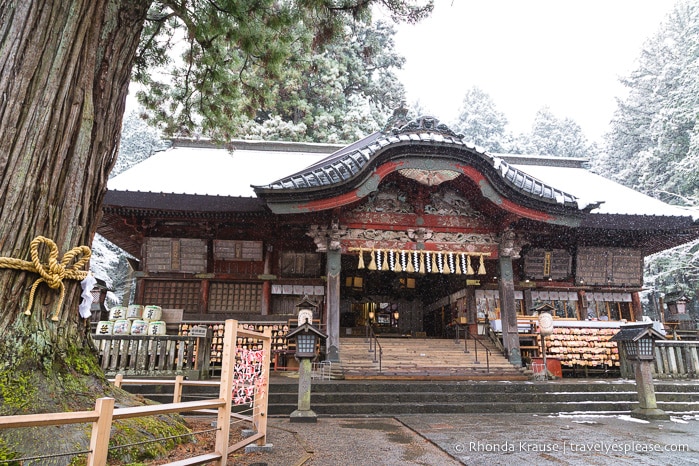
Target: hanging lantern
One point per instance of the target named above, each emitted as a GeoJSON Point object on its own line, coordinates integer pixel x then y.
{"type": "Point", "coordinates": [481, 267]}
{"type": "Point", "coordinates": [360, 265]}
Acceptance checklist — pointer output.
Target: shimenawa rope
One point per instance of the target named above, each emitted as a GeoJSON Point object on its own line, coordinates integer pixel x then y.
{"type": "Point", "coordinates": [52, 273]}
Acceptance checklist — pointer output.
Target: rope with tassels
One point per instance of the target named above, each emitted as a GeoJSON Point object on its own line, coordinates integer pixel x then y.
{"type": "Point", "coordinates": [414, 261]}
{"type": "Point", "coordinates": [53, 273]}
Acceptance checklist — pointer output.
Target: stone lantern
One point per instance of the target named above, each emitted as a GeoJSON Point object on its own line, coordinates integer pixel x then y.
{"type": "Point", "coordinates": [637, 341]}
{"type": "Point", "coordinates": [307, 338]}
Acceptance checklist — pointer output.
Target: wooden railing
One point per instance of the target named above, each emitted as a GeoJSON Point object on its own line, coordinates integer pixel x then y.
{"type": "Point", "coordinates": [154, 356]}
{"type": "Point", "coordinates": [104, 413]}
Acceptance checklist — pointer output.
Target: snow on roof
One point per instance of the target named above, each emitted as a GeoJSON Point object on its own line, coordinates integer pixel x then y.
{"type": "Point", "coordinates": [200, 168]}
{"type": "Point", "coordinates": [212, 171]}
{"type": "Point", "coordinates": [591, 188]}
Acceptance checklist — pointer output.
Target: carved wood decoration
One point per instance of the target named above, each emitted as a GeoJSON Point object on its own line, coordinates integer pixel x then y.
{"type": "Point", "coordinates": [448, 202]}
{"type": "Point", "coordinates": [387, 199]}
{"type": "Point", "coordinates": [429, 177]}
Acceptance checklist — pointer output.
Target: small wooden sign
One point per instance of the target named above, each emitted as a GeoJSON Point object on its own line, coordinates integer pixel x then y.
{"type": "Point", "coordinates": [198, 331]}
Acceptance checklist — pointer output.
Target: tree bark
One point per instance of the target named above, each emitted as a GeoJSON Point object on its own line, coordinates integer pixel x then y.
{"type": "Point", "coordinates": [64, 75]}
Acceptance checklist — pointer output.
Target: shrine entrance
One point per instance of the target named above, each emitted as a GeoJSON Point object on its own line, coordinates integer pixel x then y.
{"type": "Point", "coordinates": [409, 304]}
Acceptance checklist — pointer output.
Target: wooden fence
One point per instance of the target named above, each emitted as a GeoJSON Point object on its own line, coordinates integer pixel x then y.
{"type": "Point", "coordinates": [674, 359]}
{"type": "Point", "coordinates": [104, 413]}
{"type": "Point", "coordinates": [154, 356]}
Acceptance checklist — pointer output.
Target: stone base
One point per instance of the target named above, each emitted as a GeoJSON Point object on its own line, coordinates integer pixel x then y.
{"type": "Point", "coordinates": [303, 416]}
{"type": "Point", "coordinates": [252, 448]}
{"type": "Point", "coordinates": [650, 414]}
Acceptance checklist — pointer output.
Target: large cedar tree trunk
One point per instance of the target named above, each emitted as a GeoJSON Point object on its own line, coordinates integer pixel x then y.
{"type": "Point", "coordinates": [64, 73]}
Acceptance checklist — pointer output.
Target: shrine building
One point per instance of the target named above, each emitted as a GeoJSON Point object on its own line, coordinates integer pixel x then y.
{"type": "Point", "coordinates": [411, 230]}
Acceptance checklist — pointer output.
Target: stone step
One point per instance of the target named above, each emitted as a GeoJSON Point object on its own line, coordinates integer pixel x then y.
{"type": "Point", "coordinates": [378, 397]}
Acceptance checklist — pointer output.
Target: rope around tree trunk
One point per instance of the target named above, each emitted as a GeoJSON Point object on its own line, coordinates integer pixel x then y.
{"type": "Point", "coordinates": [53, 272]}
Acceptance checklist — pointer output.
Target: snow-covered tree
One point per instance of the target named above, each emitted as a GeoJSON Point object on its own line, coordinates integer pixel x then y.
{"type": "Point", "coordinates": [342, 93]}
{"type": "Point", "coordinates": [553, 136]}
{"type": "Point", "coordinates": [138, 142]}
{"type": "Point", "coordinates": [653, 145]}
{"type": "Point", "coordinates": [481, 123]}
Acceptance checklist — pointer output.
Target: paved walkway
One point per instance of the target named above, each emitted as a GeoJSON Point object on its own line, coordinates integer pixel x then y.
{"type": "Point", "coordinates": [481, 439]}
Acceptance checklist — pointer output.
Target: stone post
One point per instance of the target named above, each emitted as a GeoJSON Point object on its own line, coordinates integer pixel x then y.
{"type": "Point", "coordinates": [304, 413]}
{"type": "Point", "coordinates": [647, 404]}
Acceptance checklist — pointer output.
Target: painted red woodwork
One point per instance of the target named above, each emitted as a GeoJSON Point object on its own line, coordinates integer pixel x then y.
{"type": "Point", "coordinates": [506, 204]}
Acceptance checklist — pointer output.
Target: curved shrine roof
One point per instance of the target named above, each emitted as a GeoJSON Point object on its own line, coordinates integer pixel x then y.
{"type": "Point", "coordinates": [349, 162]}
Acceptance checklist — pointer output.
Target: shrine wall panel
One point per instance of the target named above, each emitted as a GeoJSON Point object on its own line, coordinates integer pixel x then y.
{"type": "Point", "coordinates": [299, 264]}
{"type": "Point", "coordinates": [177, 294]}
{"type": "Point", "coordinates": [541, 263]}
{"type": "Point", "coordinates": [234, 250]}
{"type": "Point", "coordinates": [176, 255]}
{"type": "Point", "coordinates": [239, 268]}
{"type": "Point", "coordinates": [235, 297]}
{"type": "Point", "coordinates": [609, 266]}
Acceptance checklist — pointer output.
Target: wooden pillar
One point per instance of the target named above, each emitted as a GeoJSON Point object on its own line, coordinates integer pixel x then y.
{"type": "Point", "coordinates": [327, 240]}
{"type": "Point", "coordinates": [471, 310]}
{"type": "Point", "coordinates": [636, 307]}
{"type": "Point", "coordinates": [332, 296]}
{"type": "Point", "coordinates": [266, 303]}
{"type": "Point", "coordinates": [204, 296]}
{"type": "Point", "coordinates": [140, 290]}
{"type": "Point", "coordinates": [528, 301]}
{"type": "Point", "coordinates": [508, 313]}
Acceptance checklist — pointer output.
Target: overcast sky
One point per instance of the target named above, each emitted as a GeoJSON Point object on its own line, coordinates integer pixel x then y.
{"type": "Point", "coordinates": [527, 54]}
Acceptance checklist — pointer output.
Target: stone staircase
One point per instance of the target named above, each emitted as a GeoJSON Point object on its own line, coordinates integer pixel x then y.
{"type": "Point", "coordinates": [398, 397]}
{"type": "Point", "coordinates": [387, 398]}
{"type": "Point", "coordinates": [425, 359]}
